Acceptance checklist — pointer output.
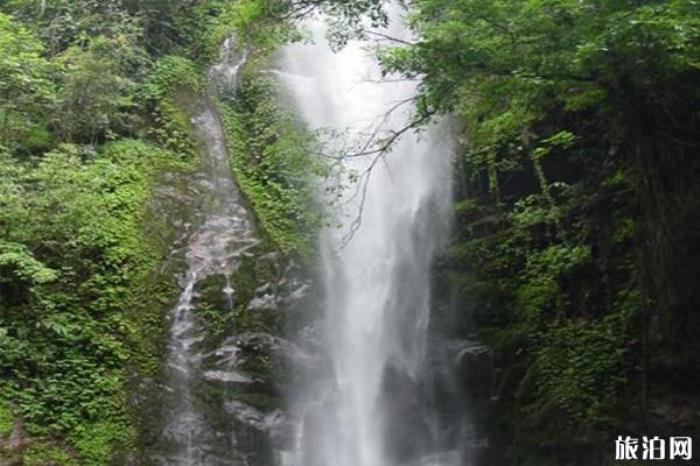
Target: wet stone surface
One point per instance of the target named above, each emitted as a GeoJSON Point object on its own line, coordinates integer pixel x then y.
{"type": "Point", "coordinates": [218, 400]}
{"type": "Point", "coordinates": [221, 390]}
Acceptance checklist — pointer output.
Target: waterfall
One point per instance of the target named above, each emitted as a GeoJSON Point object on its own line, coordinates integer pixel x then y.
{"type": "Point", "coordinates": [214, 245]}
{"type": "Point", "coordinates": [372, 405]}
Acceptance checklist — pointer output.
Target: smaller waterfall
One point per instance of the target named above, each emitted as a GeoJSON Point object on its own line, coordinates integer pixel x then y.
{"type": "Point", "coordinates": [187, 424]}
{"type": "Point", "coordinates": [225, 231]}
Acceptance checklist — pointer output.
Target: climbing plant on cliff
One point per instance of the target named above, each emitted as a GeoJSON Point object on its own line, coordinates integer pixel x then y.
{"type": "Point", "coordinates": [272, 154]}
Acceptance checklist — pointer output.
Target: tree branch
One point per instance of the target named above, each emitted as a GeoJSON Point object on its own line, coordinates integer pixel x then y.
{"type": "Point", "coordinates": [390, 38]}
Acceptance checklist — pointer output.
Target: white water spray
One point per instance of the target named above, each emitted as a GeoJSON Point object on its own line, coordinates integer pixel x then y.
{"type": "Point", "coordinates": [369, 408]}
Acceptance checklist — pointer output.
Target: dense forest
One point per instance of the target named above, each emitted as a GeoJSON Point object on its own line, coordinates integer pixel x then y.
{"type": "Point", "coordinates": [576, 235]}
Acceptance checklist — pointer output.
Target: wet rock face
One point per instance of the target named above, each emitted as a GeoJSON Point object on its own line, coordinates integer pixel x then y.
{"type": "Point", "coordinates": [232, 378]}
{"type": "Point", "coordinates": [273, 426]}
{"type": "Point", "coordinates": [223, 76]}
{"type": "Point", "coordinates": [236, 361]}
{"type": "Point", "coordinates": [245, 369]}
{"type": "Point", "coordinates": [12, 445]}
{"type": "Point", "coordinates": [404, 408]}
{"type": "Point", "coordinates": [238, 367]}
{"type": "Point", "coordinates": [226, 367]}
{"type": "Point", "coordinates": [474, 365]}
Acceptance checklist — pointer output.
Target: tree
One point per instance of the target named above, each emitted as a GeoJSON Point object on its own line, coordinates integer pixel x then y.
{"type": "Point", "coordinates": [95, 99]}
{"type": "Point", "coordinates": [26, 87]}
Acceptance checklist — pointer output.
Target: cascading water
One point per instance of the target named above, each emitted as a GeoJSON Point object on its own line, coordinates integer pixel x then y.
{"type": "Point", "coordinates": [223, 233]}
{"type": "Point", "coordinates": [373, 405]}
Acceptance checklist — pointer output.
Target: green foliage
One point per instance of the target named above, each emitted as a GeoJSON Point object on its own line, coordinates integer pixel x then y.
{"type": "Point", "coordinates": [100, 439]}
{"type": "Point", "coordinates": [6, 415]}
{"type": "Point", "coordinates": [26, 86]}
{"type": "Point", "coordinates": [503, 67]}
{"type": "Point", "coordinates": [556, 261]}
{"type": "Point", "coordinates": [45, 454]}
{"type": "Point", "coordinates": [170, 73]}
{"type": "Point", "coordinates": [579, 367]}
{"type": "Point", "coordinates": [62, 23]}
{"type": "Point", "coordinates": [580, 122]}
{"type": "Point", "coordinates": [270, 154]}
{"type": "Point", "coordinates": [21, 266]}
{"type": "Point", "coordinates": [81, 85]}
{"type": "Point", "coordinates": [172, 78]}
{"type": "Point", "coordinates": [545, 53]}
{"type": "Point", "coordinates": [197, 30]}
{"type": "Point", "coordinates": [254, 24]}
{"type": "Point", "coordinates": [78, 269]}
{"type": "Point", "coordinates": [95, 97]}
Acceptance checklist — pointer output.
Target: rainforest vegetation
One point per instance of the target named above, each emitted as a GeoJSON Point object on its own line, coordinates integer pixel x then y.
{"type": "Point", "coordinates": [576, 235]}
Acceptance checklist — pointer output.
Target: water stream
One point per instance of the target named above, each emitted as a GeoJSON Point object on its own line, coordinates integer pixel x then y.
{"type": "Point", "coordinates": [214, 246]}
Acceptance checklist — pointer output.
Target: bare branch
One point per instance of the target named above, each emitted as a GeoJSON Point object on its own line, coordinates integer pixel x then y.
{"type": "Point", "coordinates": [391, 81]}
{"type": "Point", "coordinates": [387, 143]}
{"type": "Point", "coordinates": [298, 12]}
{"type": "Point", "coordinates": [390, 38]}
{"type": "Point", "coordinates": [357, 221]}
{"type": "Point", "coordinates": [382, 122]}
{"type": "Point", "coordinates": [378, 152]}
